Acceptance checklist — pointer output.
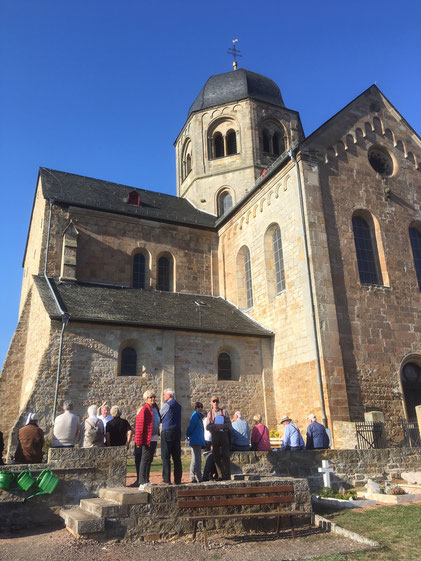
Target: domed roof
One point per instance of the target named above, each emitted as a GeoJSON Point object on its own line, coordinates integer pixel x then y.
{"type": "Point", "coordinates": [236, 85]}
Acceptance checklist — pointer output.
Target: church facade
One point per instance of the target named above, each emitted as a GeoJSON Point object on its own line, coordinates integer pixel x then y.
{"type": "Point", "coordinates": [285, 275]}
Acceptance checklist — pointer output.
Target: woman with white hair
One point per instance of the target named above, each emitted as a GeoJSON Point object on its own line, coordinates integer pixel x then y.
{"type": "Point", "coordinates": [92, 430]}
{"type": "Point", "coordinates": [146, 435]}
{"type": "Point", "coordinates": [31, 442]}
{"type": "Point", "coordinates": [260, 435]}
{"type": "Point", "coordinates": [118, 430]}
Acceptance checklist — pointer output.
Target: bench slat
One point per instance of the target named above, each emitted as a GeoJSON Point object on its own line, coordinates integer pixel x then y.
{"type": "Point", "coordinates": [239, 501]}
{"type": "Point", "coordinates": [271, 514]}
{"type": "Point", "coordinates": [236, 491]}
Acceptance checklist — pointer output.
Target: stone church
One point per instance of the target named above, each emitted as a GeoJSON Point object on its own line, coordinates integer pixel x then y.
{"type": "Point", "coordinates": [284, 277]}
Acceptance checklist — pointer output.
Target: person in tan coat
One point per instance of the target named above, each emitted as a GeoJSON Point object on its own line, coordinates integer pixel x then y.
{"type": "Point", "coordinates": [31, 442]}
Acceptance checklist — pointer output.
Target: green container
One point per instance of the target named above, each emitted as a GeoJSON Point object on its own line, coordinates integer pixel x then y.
{"type": "Point", "coordinates": [6, 478]}
{"type": "Point", "coordinates": [25, 480]}
{"type": "Point", "coordinates": [47, 481]}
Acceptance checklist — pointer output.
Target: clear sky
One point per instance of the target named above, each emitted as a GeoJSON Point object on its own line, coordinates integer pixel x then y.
{"type": "Point", "coordinates": [102, 87]}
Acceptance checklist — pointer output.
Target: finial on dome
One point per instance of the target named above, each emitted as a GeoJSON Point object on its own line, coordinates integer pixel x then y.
{"type": "Point", "coordinates": [235, 53]}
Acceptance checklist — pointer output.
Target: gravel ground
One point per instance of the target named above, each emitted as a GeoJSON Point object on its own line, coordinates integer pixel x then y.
{"type": "Point", "coordinates": [59, 545]}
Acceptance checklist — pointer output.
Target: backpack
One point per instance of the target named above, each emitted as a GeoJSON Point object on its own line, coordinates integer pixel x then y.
{"type": "Point", "coordinates": [92, 432]}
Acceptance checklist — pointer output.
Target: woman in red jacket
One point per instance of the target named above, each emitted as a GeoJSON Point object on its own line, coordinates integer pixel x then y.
{"type": "Point", "coordinates": [146, 435]}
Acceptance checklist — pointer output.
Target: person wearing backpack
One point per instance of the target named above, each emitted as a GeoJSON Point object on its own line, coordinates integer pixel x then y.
{"type": "Point", "coordinates": [92, 430]}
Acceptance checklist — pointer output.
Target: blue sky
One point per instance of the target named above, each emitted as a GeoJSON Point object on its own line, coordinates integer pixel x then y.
{"type": "Point", "coordinates": [102, 88]}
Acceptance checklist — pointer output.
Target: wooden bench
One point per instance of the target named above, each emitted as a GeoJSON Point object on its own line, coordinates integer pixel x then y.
{"type": "Point", "coordinates": [228, 497]}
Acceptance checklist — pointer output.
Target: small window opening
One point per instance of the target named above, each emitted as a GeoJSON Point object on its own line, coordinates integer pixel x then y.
{"type": "Point", "coordinates": [163, 282]}
{"type": "Point", "coordinates": [139, 266]}
{"type": "Point", "coordinates": [128, 362]}
{"type": "Point", "coordinates": [218, 145]}
{"type": "Point", "coordinates": [225, 202]}
{"type": "Point", "coordinates": [266, 142]}
{"type": "Point", "coordinates": [134, 198]}
{"type": "Point", "coordinates": [224, 366]}
{"type": "Point", "coordinates": [231, 142]}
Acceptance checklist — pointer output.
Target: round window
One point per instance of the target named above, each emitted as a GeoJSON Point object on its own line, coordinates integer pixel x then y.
{"type": "Point", "coordinates": [380, 160]}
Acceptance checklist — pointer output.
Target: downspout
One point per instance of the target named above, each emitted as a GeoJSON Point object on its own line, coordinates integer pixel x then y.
{"type": "Point", "coordinates": [310, 288]}
{"type": "Point", "coordinates": [64, 315]}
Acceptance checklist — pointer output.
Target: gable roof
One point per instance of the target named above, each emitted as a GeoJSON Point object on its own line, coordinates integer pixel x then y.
{"type": "Point", "coordinates": [96, 194]}
{"type": "Point", "coordinates": [346, 117]}
{"type": "Point", "coordinates": [147, 308]}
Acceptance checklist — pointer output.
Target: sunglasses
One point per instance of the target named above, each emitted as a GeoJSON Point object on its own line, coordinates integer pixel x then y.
{"type": "Point", "coordinates": [152, 397]}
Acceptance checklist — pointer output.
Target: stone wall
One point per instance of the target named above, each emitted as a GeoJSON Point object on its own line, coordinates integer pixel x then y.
{"type": "Point", "coordinates": [351, 467]}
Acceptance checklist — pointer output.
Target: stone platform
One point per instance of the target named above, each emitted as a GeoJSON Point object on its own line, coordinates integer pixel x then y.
{"type": "Point", "coordinates": [153, 514]}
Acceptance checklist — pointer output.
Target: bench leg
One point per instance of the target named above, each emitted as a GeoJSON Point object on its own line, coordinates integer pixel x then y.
{"type": "Point", "coordinates": [194, 530]}
{"type": "Point", "coordinates": [291, 518]}
{"type": "Point", "coordinates": [205, 530]}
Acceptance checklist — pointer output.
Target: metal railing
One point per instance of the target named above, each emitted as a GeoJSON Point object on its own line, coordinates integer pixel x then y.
{"type": "Point", "coordinates": [370, 435]}
{"type": "Point", "coordinates": [411, 433]}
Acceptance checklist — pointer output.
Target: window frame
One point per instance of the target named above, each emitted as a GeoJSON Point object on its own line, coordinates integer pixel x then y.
{"type": "Point", "coordinates": [131, 364]}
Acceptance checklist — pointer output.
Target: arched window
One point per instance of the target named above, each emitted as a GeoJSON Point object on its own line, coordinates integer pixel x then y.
{"type": "Point", "coordinates": [278, 144]}
{"type": "Point", "coordinates": [186, 160]}
{"type": "Point", "coordinates": [366, 253]}
{"type": "Point", "coordinates": [139, 270]}
{"type": "Point", "coordinates": [415, 237]}
{"type": "Point", "coordinates": [164, 274]}
{"type": "Point", "coordinates": [266, 142]}
{"type": "Point", "coordinates": [224, 203]}
{"type": "Point", "coordinates": [224, 366]}
{"type": "Point", "coordinates": [231, 142]}
{"type": "Point", "coordinates": [188, 164]}
{"type": "Point", "coordinates": [128, 362]}
{"type": "Point", "coordinates": [248, 279]}
{"type": "Point", "coordinates": [218, 145]}
{"type": "Point", "coordinates": [411, 385]}
{"type": "Point", "coordinates": [278, 260]}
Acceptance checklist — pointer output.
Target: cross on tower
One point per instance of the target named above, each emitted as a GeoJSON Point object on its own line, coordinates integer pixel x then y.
{"type": "Point", "coordinates": [235, 53]}
{"type": "Point", "coordinates": [326, 470]}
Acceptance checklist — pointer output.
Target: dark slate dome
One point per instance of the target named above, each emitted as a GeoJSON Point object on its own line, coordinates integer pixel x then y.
{"type": "Point", "coordinates": [236, 85]}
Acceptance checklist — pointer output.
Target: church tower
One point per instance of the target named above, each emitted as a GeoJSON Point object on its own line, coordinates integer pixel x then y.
{"type": "Point", "coordinates": [236, 128]}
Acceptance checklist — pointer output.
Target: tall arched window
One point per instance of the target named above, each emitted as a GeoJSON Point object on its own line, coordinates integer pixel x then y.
{"type": "Point", "coordinates": [218, 145]}
{"type": "Point", "coordinates": [188, 164]}
{"type": "Point", "coordinates": [224, 202]}
{"type": "Point", "coordinates": [165, 272]}
{"type": "Point", "coordinates": [266, 142]}
{"type": "Point", "coordinates": [278, 260]}
{"type": "Point", "coordinates": [366, 252]}
{"type": "Point", "coordinates": [415, 237]}
{"type": "Point", "coordinates": [186, 160]}
{"type": "Point", "coordinates": [411, 385]}
{"type": "Point", "coordinates": [139, 270]}
{"type": "Point", "coordinates": [128, 362]}
{"type": "Point", "coordinates": [248, 280]}
{"type": "Point", "coordinates": [231, 142]}
{"type": "Point", "coordinates": [224, 366]}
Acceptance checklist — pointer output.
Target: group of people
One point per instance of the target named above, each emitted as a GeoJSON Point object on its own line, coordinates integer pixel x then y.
{"type": "Point", "coordinates": [214, 433]}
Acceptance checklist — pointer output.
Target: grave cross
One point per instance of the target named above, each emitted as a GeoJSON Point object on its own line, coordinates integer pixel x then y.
{"type": "Point", "coordinates": [326, 470]}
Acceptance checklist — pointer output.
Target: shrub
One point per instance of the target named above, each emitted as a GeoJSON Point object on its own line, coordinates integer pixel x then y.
{"type": "Point", "coordinates": [397, 491]}
{"type": "Point", "coordinates": [327, 493]}
{"type": "Point", "coordinates": [273, 433]}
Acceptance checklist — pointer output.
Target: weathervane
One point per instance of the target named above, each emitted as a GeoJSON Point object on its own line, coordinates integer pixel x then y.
{"type": "Point", "coordinates": [235, 53]}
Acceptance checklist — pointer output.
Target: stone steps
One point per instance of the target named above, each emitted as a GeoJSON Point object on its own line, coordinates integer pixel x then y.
{"type": "Point", "coordinates": [91, 517]}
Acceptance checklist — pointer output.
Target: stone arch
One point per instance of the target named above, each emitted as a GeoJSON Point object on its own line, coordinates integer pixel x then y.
{"type": "Point", "coordinates": [141, 357]}
{"type": "Point", "coordinates": [389, 135]}
{"type": "Point", "coordinates": [274, 260]}
{"type": "Point", "coordinates": [411, 158]}
{"type": "Point", "coordinates": [222, 199]}
{"type": "Point", "coordinates": [410, 384]}
{"type": "Point", "coordinates": [400, 146]}
{"type": "Point", "coordinates": [377, 247]}
{"type": "Point", "coordinates": [273, 136]}
{"type": "Point", "coordinates": [235, 362]}
{"type": "Point", "coordinates": [244, 279]}
{"type": "Point", "coordinates": [166, 272]}
{"type": "Point", "coordinates": [223, 128]}
{"type": "Point", "coordinates": [378, 126]}
{"type": "Point", "coordinates": [136, 282]}
{"type": "Point", "coordinates": [359, 136]}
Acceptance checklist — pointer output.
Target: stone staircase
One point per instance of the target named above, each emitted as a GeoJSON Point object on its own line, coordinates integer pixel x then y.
{"type": "Point", "coordinates": [106, 516]}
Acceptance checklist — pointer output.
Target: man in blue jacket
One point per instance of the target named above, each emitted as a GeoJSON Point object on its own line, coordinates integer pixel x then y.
{"type": "Point", "coordinates": [317, 437]}
{"type": "Point", "coordinates": [171, 438]}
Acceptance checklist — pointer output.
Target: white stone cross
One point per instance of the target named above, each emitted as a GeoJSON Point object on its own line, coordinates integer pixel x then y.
{"type": "Point", "coordinates": [326, 470]}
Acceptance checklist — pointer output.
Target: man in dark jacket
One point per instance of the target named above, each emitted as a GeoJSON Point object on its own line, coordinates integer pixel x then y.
{"type": "Point", "coordinates": [31, 442]}
{"type": "Point", "coordinates": [171, 437]}
{"type": "Point", "coordinates": [317, 437]}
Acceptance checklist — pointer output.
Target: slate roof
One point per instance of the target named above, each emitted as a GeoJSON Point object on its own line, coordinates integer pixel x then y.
{"type": "Point", "coordinates": [236, 85]}
{"type": "Point", "coordinates": [77, 190]}
{"type": "Point", "coordinates": [147, 308]}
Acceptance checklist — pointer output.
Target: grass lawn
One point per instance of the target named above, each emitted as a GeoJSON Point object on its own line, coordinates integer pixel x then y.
{"type": "Point", "coordinates": [157, 464]}
{"type": "Point", "coordinates": [397, 528]}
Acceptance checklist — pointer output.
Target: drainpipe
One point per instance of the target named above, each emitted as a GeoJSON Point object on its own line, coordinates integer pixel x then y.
{"type": "Point", "coordinates": [310, 288]}
{"type": "Point", "coordinates": [64, 315]}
